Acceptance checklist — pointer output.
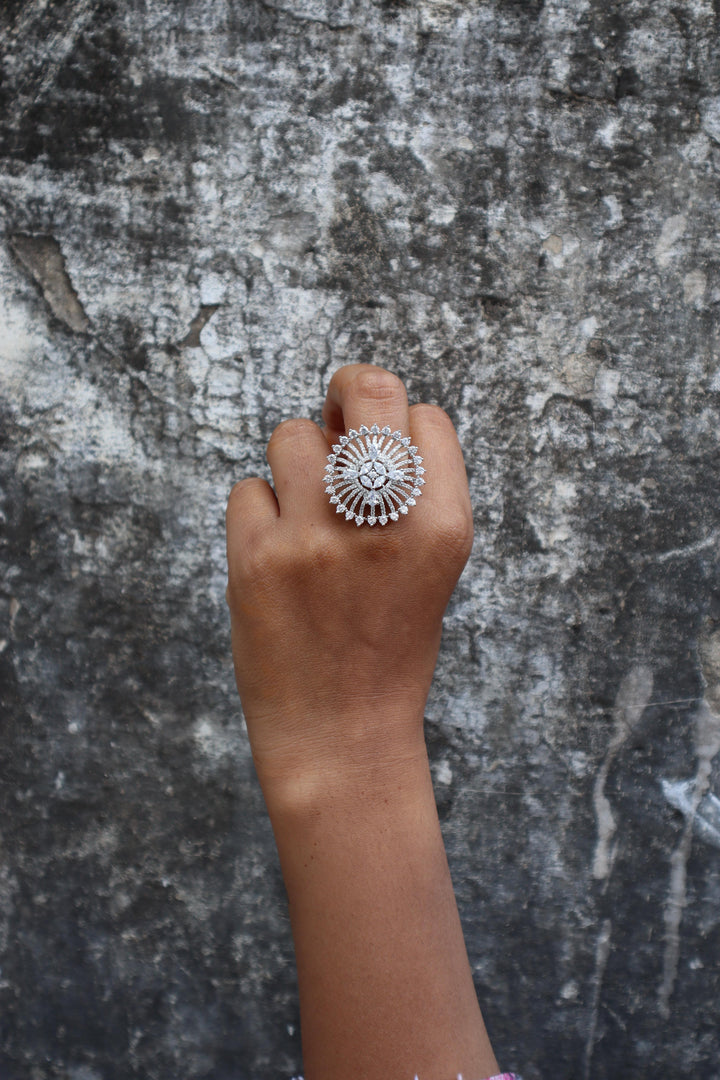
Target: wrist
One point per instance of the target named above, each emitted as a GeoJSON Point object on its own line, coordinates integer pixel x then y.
{"type": "Point", "coordinates": [344, 829]}
{"type": "Point", "coordinates": [359, 755]}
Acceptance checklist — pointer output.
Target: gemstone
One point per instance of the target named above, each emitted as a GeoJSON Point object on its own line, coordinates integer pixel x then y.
{"type": "Point", "coordinates": [373, 474]}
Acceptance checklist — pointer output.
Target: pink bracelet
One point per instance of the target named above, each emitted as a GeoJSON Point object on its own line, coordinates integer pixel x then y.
{"type": "Point", "coordinates": [500, 1076]}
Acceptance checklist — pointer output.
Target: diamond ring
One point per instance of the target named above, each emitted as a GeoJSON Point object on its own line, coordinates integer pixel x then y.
{"type": "Point", "coordinates": [373, 475]}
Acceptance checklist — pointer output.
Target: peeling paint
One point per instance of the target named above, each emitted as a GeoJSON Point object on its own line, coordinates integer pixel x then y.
{"type": "Point", "coordinates": [42, 258]}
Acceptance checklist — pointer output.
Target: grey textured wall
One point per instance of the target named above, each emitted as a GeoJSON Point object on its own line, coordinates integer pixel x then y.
{"type": "Point", "coordinates": [205, 207]}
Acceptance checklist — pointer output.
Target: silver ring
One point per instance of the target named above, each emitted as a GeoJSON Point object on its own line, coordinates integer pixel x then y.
{"type": "Point", "coordinates": [373, 475]}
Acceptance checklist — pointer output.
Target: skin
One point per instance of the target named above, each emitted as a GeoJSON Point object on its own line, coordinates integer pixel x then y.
{"type": "Point", "coordinates": [335, 636]}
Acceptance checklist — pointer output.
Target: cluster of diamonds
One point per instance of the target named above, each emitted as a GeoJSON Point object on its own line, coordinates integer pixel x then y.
{"type": "Point", "coordinates": [373, 475]}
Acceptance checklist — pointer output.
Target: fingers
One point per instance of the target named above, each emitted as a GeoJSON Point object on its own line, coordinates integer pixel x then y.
{"type": "Point", "coordinates": [358, 394]}
{"type": "Point", "coordinates": [251, 501]}
{"type": "Point", "coordinates": [297, 453]}
{"type": "Point", "coordinates": [446, 498]}
{"type": "Point", "coordinates": [364, 394]}
{"type": "Point", "coordinates": [252, 504]}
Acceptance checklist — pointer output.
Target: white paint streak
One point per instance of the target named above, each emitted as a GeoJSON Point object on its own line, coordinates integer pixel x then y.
{"type": "Point", "coordinates": [707, 745]}
{"type": "Point", "coordinates": [631, 702]}
{"type": "Point", "coordinates": [602, 951]}
{"type": "Point", "coordinates": [686, 552]}
{"type": "Point", "coordinates": [679, 793]}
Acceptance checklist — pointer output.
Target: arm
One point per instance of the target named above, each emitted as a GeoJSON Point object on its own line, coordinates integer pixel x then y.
{"type": "Point", "coordinates": [335, 637]}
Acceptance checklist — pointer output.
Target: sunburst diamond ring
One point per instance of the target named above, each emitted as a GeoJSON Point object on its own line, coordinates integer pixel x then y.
{"type": "Point", "coordinates": [373, 475]}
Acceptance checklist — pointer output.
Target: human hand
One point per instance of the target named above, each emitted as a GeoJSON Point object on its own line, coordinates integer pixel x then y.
{"type": "Point", "coordinates": [335, 634]}
{"type": "Point", "coordinates": [336, 629]}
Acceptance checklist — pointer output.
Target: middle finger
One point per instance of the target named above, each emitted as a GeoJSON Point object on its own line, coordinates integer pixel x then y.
{"type": "Point", "coordinates": [365, 394]}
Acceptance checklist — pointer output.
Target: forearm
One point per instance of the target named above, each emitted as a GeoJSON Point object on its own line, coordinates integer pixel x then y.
{"type": "Point", "coordinates": [385, 985]}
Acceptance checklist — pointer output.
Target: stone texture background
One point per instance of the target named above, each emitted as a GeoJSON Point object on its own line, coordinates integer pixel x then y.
{"type": "Point", "coordinates": [205, 207]}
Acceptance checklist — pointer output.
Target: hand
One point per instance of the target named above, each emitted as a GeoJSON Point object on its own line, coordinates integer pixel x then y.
{"type": "Point", "coordinates": [336, 628]}
{"type": "Point", "coordinates": [335, 633]}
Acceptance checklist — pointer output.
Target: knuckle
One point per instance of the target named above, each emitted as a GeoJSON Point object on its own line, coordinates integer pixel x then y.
{"type": "Point", "coordinates": [431, 416]}
{"type": "Point", "coordinates": [238, 492]}
{"type": "Point", "coordinates": [434, 424]}
{"type": "Point", "coordinates": [461, 535]}
{"type": "Point", "coordinates": [453, 536]}
{"type": "Point", "coordinates": [316, 546]}
{"type": "Point", "coordinates": [378, 384]}
{"type": "Point", "coordinates": [292, 430]}
{"type": "Point", "coordinates": [320, 561]}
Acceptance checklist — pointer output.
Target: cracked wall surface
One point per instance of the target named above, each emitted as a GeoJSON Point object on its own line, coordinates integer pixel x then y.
{"type": "Point", "coordinates": [206, 207]}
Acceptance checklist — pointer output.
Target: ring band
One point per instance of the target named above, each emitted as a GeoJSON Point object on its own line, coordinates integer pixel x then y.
{"type": "Point", "coordinates": [373, 475]}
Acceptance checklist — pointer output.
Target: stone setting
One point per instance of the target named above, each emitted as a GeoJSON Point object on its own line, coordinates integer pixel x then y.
{"type": "Point", "coordinates": [373, 475]}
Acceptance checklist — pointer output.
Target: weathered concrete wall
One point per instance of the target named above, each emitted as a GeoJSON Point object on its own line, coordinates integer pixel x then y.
{"type": "Point", "coordinates": [207, 205]}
